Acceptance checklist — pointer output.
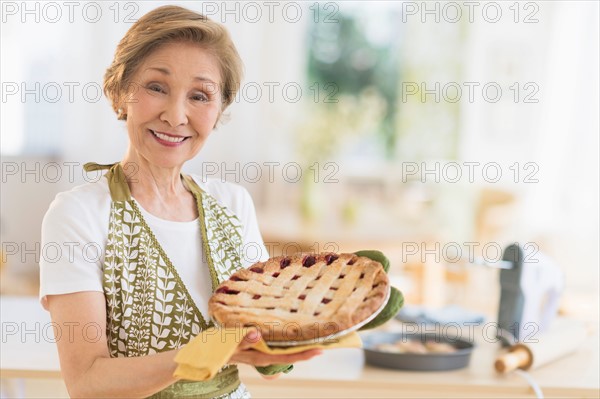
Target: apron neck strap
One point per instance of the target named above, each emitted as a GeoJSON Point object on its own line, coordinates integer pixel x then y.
{"type": "Point", "coordinates": [191, 185]}
{"type": "Point", "coordinates": [117, 180]}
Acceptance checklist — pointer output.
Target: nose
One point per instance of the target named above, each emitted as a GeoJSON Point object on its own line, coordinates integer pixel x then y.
{"type": "Point", "coordinates": [175, 112]}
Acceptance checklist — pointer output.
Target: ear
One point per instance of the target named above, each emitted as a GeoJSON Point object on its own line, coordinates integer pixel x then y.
{"type": "Point", "coordinates": [219, 116]}
{"type": "Point", "coordinates": [121, 106]}
{"type": "Point", "coordinates": [122, 114]}
{"type": "Point", "coordinates": [126, 97]}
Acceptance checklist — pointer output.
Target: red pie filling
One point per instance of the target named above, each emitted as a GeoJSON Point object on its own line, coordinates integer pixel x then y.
{"type": "Point", "coordinates": [329, 259]}
{"type": "Point", "coordinates": [226, 290]}
{"type": "Point", "coordinates": [309, 261]}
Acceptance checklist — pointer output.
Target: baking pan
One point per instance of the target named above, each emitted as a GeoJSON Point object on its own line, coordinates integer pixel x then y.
{"type": "Point", "coordinates": [416, 361]}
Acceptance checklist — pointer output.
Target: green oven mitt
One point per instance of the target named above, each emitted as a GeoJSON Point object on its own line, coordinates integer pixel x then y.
{"type": "Point", "coordinates": [275, 369]}
{"type": "Point", "coordinates": [396, 298]}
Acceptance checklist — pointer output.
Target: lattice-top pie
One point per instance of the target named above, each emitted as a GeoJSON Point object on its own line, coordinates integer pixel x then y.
{"type": "Point", "coordinates": [301, 297]}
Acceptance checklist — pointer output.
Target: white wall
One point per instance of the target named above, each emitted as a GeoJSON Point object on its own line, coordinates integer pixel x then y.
{"type": "Point", "coordinates": [559, 133]}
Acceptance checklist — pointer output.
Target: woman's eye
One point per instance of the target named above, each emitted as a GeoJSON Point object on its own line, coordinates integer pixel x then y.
{"type": "Point", "coordinates": [155, 88]}
{"type": "Point", "coordinates": [200, 97]}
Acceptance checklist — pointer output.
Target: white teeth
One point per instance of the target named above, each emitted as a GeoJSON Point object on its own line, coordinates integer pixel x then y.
{"type": "Point", "coordinates": [168, 138]}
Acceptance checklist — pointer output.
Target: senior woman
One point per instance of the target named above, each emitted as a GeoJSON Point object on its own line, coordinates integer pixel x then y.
{"type": "Point", "coordinates": [168, 239]}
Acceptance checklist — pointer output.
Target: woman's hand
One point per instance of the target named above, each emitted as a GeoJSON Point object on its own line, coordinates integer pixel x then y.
{"type": "Point", "coordinates": [245, 354]}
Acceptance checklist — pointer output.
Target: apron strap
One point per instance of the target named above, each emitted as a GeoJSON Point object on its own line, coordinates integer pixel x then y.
{"type": "Point", "coordinates": [117, 180]}
{"type": "Point", "coordinates": [92, 166]}
{"type": "Point", "coordinates": [191, 185]}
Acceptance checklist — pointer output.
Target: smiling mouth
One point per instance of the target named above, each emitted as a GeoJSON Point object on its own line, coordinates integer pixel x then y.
{"type": "Point", "coordinates": [166, 137]}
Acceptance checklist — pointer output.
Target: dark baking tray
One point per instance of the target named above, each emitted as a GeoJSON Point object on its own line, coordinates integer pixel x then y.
{"type": "Point", "coordinates": [416, 361]}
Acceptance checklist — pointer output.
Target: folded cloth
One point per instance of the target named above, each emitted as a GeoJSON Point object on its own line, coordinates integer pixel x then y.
{"type": "Point", "coordinates": [203, 357]}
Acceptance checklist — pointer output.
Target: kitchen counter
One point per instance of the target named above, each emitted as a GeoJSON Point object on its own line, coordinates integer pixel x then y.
{"type": "Point", "coordinates": [342, 373]}
{"type": "Point", "coordinates": [28, 352]}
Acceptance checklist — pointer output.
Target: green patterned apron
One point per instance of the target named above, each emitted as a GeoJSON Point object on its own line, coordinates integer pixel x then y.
{"type": "Point", "coordinates": [148, 307]}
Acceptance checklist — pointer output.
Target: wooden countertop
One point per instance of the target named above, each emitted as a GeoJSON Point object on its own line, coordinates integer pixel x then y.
{"type": "Point", "coordinates": [343, 373]}
{"type": "Point", "coordinates": [28, 351]}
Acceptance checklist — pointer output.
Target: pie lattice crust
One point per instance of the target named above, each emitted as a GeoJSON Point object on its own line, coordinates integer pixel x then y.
{"type": "Point", "coordinates": [301, 297]}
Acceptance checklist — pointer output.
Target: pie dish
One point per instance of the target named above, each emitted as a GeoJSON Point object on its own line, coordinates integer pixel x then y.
{"type": "Point", "coordinates": [302, 297]}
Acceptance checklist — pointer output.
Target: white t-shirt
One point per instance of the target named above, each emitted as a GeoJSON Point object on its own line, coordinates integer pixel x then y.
{"type": "Point", "coordinates": [75, 232]}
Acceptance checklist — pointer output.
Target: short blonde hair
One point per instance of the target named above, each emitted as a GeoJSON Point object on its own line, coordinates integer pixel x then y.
{"type": "Point", "coordinates": [170, 24]}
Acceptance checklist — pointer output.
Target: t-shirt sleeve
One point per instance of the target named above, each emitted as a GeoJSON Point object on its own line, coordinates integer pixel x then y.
{"type": "Point", "coordinates": [72, 248]}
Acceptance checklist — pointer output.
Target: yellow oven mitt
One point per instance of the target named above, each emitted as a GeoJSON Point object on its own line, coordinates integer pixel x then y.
{"type": "Point", "coordinates": [209, 351]}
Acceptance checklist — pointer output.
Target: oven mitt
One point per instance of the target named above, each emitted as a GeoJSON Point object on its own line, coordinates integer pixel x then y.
{"type": "Point", "coordinates": [275, 369]}
{"type": "Point", "coordinates": [396, 298]}
{"type": "Point", "coordinates": [205, 355]}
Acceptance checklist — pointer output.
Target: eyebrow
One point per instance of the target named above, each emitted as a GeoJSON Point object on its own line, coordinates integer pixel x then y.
{"type": "Point", "coordinates": [165, 71]}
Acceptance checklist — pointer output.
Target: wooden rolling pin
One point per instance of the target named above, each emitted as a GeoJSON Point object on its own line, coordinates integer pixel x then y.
{"type": "Point", "coordinates": [563, 338]}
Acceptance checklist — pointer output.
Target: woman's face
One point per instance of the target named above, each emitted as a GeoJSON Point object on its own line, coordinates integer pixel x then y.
{"type": "Point", "coordinates": [173, 104]}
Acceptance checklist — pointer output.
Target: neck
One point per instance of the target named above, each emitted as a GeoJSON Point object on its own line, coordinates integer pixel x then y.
{"type": "Point", "coordinates": [159, 190]}
{"type": "Point", "coordinates": [144, 178]}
